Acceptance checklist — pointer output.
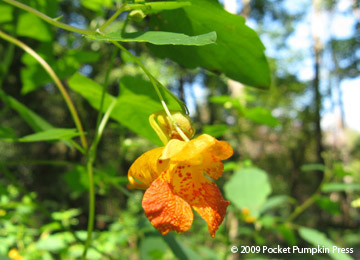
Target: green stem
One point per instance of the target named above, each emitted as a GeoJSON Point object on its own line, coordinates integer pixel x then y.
{"type": "Point", "coordinates": [50, 20]}
{"type": "Point", "coordinates": [104, 90]}
{"type": "Point", "coordinates": [155, 83]}
{"type": "Point", "coordinates": [300, 209]}
{"type": "Point", "coordinates": [56, 80]}
{"type": "Point", "coordinates": [307, 203]}
{"type": "Point", "coordinates": [91, 219]}
{"type": "Point", "coordinates": [113, 17]}
{"type": "Point", "coordinates": [89, 166]}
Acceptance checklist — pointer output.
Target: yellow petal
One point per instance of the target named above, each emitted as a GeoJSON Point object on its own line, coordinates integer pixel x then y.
{"type": "Point", "coordinates": [173, 147]}
{"type": "Point", "coordinates": [147, 168]}
{"type": "Point", "coordinates": [165, 210]}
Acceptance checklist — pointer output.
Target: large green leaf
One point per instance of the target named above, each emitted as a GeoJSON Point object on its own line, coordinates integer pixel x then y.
{"type": "Point", "coordinates": [158, 38]}
{"type": "Point", "coordinates": [6, 13]}
{"type": "Point", "coordinates": [96, 5]}
{"type": "Point", "coordinates": [31, 26]}
{"type": "Point", "coordinates": [238, 52]}
{"type": "Point", "coordinates": [248, 188]}
{"type": "Point", "coordinates": [155, 7]}
{"type": "Point", "coordinates": [317, 238]}
{"type": "Point", "coordinates": [137, 100]}
{"type": "Point", "coordinates": [50, 135]}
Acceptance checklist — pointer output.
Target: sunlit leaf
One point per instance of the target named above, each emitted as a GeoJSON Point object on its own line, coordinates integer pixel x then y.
{"type": "Point", "coordinates": [158, 38]}
{"type": "Point", "coordinates": [96, 5]}
{"type": "Point", "coordinates": [137, 100]}
{"type": "Point", "coordinates": [31, 26]}
{"type": "Point", "coordinates": [155, 7]}
{"type": "Point", "coordinates": [248, 188]}
{"type": "Point", "coordinates": [53, 243]}
{"type": "Point", "coordinates": [6, 13]}
{"type": "Point", "coordinates": [50, 135]}
{"type": "Point", "coordinates": [238, 52]}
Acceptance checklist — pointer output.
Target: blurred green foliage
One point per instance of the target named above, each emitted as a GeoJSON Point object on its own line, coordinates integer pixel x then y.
{"type": "Point", "coordinates": [279, 193]}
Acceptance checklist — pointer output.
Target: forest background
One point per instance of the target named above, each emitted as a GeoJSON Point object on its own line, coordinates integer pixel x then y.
{"type": "Point", "coordinates": [295, 173]}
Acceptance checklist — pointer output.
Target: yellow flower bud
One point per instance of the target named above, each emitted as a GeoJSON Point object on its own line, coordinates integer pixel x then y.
{"type": "Point", "coordinates": [166, 129]}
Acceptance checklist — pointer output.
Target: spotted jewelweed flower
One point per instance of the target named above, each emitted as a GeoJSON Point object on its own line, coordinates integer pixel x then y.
{"type": "Point", "coordinates": [176, 180]}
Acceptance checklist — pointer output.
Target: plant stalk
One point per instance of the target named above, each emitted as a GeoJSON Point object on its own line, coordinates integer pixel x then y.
{"type": "Point", "coordinates": [56, 80]}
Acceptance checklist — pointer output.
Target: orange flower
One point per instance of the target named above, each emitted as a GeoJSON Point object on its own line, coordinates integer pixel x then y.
{"type": "Point", "coordinates": [175, 182]}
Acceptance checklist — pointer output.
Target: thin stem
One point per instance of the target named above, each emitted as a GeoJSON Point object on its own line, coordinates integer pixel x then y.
{"type": "Point", "coordinates": [113, 17]}
{"type": "Point", "coordinates": [104, 90]}
{"type": "Point", "coordinates": [155, 83]}
{"type": "Point", "coordinates": [105, 120]}
{"type": "Point", "coordinates": [56, 80]}
{"type": "Point", "coordinates": [89, 166]}
{"type": "Point", "coordinates": [50, 20]}
{"type": "Point", "coordinates": [90, 228]}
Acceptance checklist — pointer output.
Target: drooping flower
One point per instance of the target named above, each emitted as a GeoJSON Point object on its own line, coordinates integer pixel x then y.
{"type": "Point", "coordinates": [174, 179]}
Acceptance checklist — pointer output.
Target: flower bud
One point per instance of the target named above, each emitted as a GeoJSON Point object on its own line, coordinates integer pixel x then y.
{"type": "Point", "coordinates": [164, 126]}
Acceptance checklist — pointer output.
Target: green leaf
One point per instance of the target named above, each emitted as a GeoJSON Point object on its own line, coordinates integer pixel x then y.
{"type": "Point", "coordinates": [152, 248]}
{"type": "Point", "coordinates": [36, 122]}
{"type": "Point", "coordinates": [6, 132]}
{"type": "Point", "coordinates": [96, 5]}
{"type": "Point", "coordinates": [77, 179]}
{"type": "Point", "coordinates": [50, 135]}
{"type": "Point", "coordinates": [31, 26]}
{"type": "Point", "coordinates": [216, 130]}
{"type": "Point", "coordinates": [6, 13]}
{"type": "Point", "coordinates": [288, 233]}
{"type": "Point", "coordinates": [313, 167]}
{"type": "Point", "coordinates": [180, 250]}
{"type": "Point", "coordinates": [155, 7]}
{"type": "Point", "coordinates": [330, 187]}
{"type": "Point", "coordinates": [238, 52]}
{"type": "Point", "coordinates": [33, 76]}
{"type": "Point", "coordinates": [248, 188]}
{"type": "Point", "coordinates": [261, 115]}
{"type": "Point", "coordinates": [158, 38]}
{"type": "Point", "coordinates": [317, 238]}
{"type": "Point", "coordinates": [274, 202]}
{"type": "Point", "coordinates": [327, 204]}
{"type": "Point", "coordinates": [53, 243]}
{"type": "Point", "coordinates": [136, 102]}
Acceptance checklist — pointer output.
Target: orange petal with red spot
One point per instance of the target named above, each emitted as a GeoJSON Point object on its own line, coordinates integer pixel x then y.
{"type": "Point", "coordinates": [211, 207]}
{"type": "Point", "coordinates": [147, 168]}
{"type": "Point", "coordinates": [165, 210]}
